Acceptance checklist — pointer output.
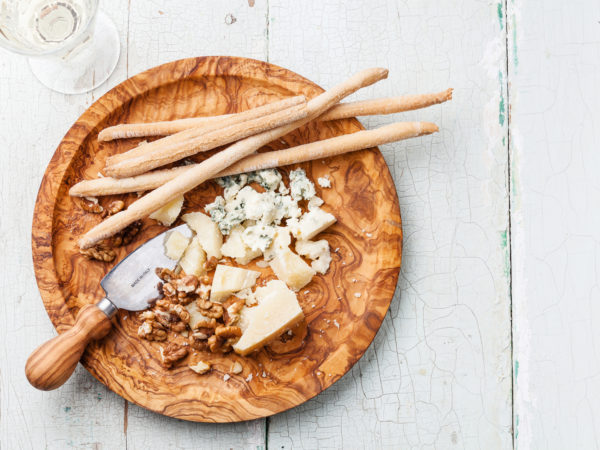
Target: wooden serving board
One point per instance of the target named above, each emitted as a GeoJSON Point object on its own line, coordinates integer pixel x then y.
{"type": "Point", "coordinates": [366, 245]}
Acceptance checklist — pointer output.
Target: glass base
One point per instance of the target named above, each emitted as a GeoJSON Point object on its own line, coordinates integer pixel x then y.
{"type": "Point", "coordinates": [85, 67]}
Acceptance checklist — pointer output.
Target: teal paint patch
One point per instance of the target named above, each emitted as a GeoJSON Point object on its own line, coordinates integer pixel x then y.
{"type": "Point", "coordinates": [67, 409]}
{"type": "Point", "coordinates": [516, 370]}
{"type": "Point", "coordinates": [99, 396]}
{"type": "Point", "coordinates": [504, 245]}
{"type": "Point", "coordinates": [501, 106]}
{"type": "Point", "coordinates": [503, 141]}
{"type": "Point", "coordinates": [500, 16]}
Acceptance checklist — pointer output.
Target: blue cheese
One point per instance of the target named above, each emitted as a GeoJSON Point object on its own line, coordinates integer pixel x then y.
{"type": "Point", "coordinates": [318, 252]}
{"type": "Point", "coordinates": [226, 215]}
{"type": "Point", "coordinates": [301, 187]}
{"type": "Point", "coordinates": [234, 247]}
{"type": "Point", "coordinates": [258, 237]}
{"type": "Point", "coordinates": [324, 182]}
{"type": "Point", "coordinates": [281, 241]}
{"type": "Point", "coordinates": [269, 179]}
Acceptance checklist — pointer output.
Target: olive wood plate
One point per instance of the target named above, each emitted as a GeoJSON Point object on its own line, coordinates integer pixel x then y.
{"type": "Point", "coordinates": [343, 309]}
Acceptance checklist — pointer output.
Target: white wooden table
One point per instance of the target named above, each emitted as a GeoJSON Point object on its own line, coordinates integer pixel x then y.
{"type": "Point", "coordinates": [493, 337]}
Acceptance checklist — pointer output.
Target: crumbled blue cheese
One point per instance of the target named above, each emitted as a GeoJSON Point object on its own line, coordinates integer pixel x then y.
{"type": "Point", "coordinates": [269, 179]}
{"type": "Point", "coordinates": [258, 237]}
{"type": "Point", "coordinates": [314, 203]}
{"type": "Point", "coordinates": [301, 187]}
{"type": "Point", "coordinates": [324, 182]}
{"type": "Point", "coordinates": [232, 184]}
{"type": "Point", "coordinates": [242, 202]}
{"type": "Point", "coordinates": [317, 251]}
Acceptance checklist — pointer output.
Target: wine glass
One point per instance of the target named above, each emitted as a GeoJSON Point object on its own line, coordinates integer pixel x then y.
{"type": "Point", "coordinates": [73, 47]}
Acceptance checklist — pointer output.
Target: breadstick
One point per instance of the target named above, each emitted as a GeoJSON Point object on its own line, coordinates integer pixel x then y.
{"type": "Point", "coordinates": [331, 147]}
{"type": "Point", "coordinates": [219, 162]}
{"type": "Point", "coordinates": [307, 152]}
{"type": "Point", "coordinates": [130, 130]}
{"type": "Point", "coordinates": [217, 133]}
{"type": "Point", "coordinates": [385, 105]}
{"type": "Point", "coordinates": [341, 111]}
{"type": "Point", "coordinates": [166, 154]}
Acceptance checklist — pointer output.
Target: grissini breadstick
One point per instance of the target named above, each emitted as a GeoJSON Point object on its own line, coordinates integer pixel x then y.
{"type": "Point", "coordinates": [129, 130]}
{"type": "Point", "coordinates": [331, 147]}
{"type": "Point", "coordinates": [217, 132]}
{"type": "Point", "coordinates": [219, 162]}
{"type": "Point", "coordinates": [306, 152]}
{"type": "Point", "coordinates": [140, 183]}
{"type": "Point", "coordinates": [342, 111]}
{"type": "Point", "coordinates": [385, 105]}
{"type": "Point", "coordinates": [163, 128]}
{"type": "Point", "coordinates": [170, 153]}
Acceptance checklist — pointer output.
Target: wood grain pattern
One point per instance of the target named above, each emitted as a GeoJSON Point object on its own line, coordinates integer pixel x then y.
{"type": "Point", "coordinates": [368, 235]}
{"type": "Point", "coordinates": [53, 362]}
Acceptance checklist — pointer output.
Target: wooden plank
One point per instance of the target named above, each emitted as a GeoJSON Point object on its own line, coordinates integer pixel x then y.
{"type": "Point", "coordinates": [162, 31]}
{"type": "Point", "coordinates": [554, 129]}
{"type": "Point", "coordinates": [82, 414]}
{"type": "Point", "coordinates": [439, 371]}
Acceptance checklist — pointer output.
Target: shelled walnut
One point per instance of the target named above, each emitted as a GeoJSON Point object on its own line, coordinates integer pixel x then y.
{"type": "Point", "coordinates": [99, 253]}
{"type": "Point", "coordinates": [173, 353]}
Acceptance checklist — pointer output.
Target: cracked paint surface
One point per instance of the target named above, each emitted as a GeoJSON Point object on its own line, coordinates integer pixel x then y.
{"type": "Point", "coordinates": [556, 224]}
{"type": "Point", "coordinates": [439, 372]}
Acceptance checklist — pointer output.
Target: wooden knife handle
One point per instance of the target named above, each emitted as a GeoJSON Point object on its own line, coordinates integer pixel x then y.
{"type": "Point", "coordinates": [52, 363]}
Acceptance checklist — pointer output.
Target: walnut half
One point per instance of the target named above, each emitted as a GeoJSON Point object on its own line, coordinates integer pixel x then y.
{"type": "Point", "coordinates": [172, 353]}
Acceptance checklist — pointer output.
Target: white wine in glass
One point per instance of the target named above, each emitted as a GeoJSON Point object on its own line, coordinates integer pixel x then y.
{"type": "Point", "coordinates": [72, 46]}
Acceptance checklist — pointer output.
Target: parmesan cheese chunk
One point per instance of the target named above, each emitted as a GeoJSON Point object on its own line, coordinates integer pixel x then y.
{"type": "Point", "coordinates": [193, 259]}
{"type": "Point", "coordinates": [234, 247]}
{"type": "Point", "coordinates": [291, 269]}
{"type": "Point", "coordinates": [228, 280]}
{"type": "Point", "coordinates": [311, 223]}
{"type": "Point", "coordinates": [277, 311]}
{"type": "Point", "coordinates": [168, 213]}
{"type": "Point", "coordinates": [176, 244]}
{"type": "Point", "coordinates": [207, 231]}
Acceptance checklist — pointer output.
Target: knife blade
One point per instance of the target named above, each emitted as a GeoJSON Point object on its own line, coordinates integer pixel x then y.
{"type": "Point", "coordinates": [131, 284]}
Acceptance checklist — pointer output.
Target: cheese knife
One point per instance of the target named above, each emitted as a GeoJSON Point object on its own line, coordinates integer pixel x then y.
{"type": "Point", "coordinates": [131, 285]}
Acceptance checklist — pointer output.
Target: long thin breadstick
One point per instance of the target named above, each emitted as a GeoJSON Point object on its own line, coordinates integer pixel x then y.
{"type": "Point", "coordinates": [219, 162]}
{"type": "Point", "coordinates": [331, 147]}
{"type": "Point", "coordinates": [189, 142]}
{"type": "Point", "coordinates": [342, 111]}
{"type": "Point", "coordinates": [306, 152]}
{"type": "Point", "coordinates": [385, 105]}
{"type": "Point", "coordinates": [129, 130]}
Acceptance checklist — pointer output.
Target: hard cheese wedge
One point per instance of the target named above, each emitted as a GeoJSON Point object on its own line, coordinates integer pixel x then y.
{"type": "Point", "coordinates": [193, 259]}
{"type": "Point", "coordinates": [292, 269]}
{"type": "Point", "coordinates": [176, 244]}
{"type": "Point", "coordinates": [228, 280]}
{"type": "Point", "coordinates": [208, 233]}
{"type": "Point", "coordinates": [277, 311]}
{"type": "Point", "coordinates": [168, 213]}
